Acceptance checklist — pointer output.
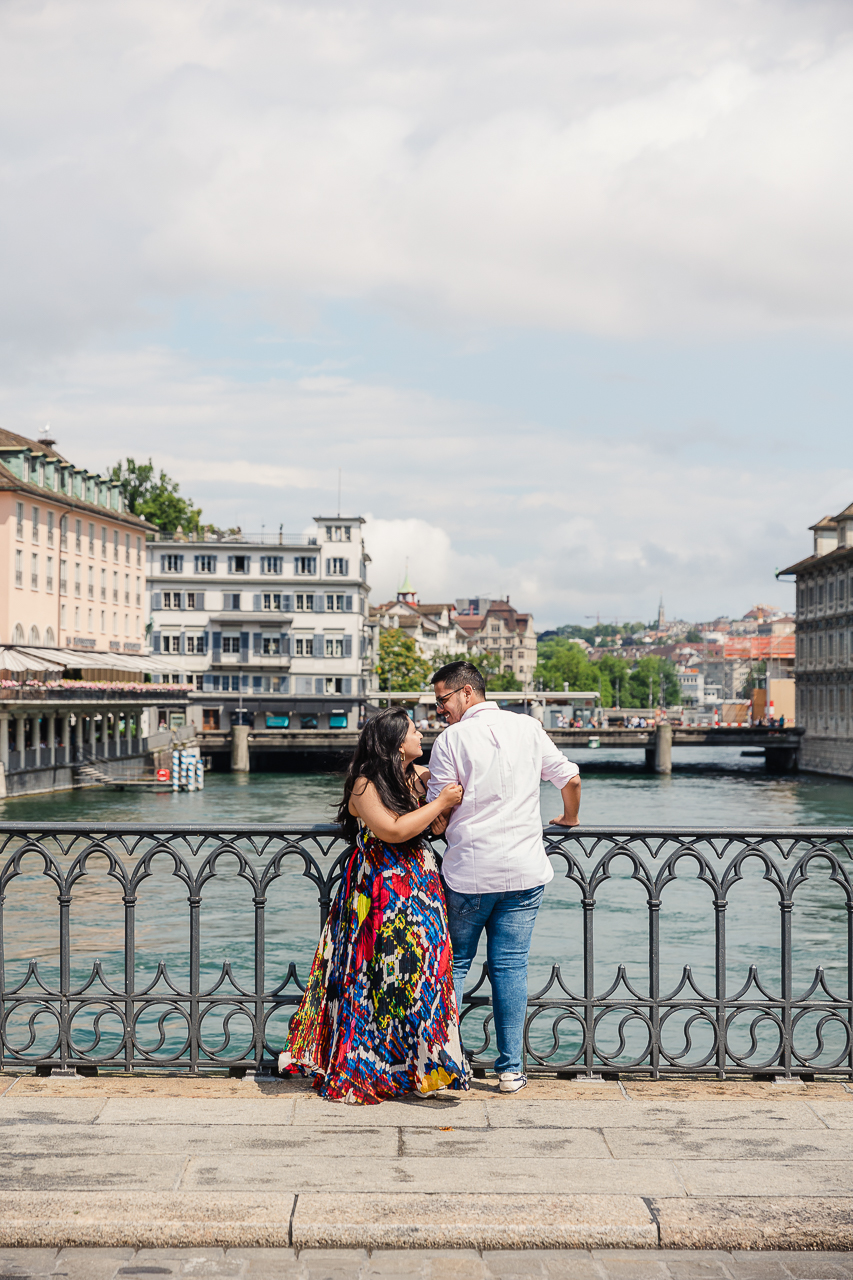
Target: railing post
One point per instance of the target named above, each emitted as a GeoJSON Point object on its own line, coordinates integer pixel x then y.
{"type": "Point", "coordinates": [589, 984]}
{"type": "Point", "coordinates": [195, 979]}
{"type": "Point", "coordinates": [260, 977]}
{"type": "Point", "coordinates": [720, 983]}
{"type": "Point", "coordinates": [849, 981]}
{"type": "Point", "coordinates": [786, 909]}
{"type": "Point", "coordinates": [654, 984]}
{"type": "Point", "coordinates": [64, 976]}
{"type": "Point", "coordinates": [129, 978]}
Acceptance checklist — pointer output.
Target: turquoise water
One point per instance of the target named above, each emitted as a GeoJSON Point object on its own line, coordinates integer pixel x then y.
{"type": "Point", "coordinates": [718, 789]}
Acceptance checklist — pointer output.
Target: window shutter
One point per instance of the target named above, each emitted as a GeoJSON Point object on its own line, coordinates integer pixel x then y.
{"type": "Point", "coordinates": [162, 564]}
{"type": "Point", "coordinates": [284, 686]}
{"type": "Point", "coordinates": [199, 599]}
{"type": "Point", "coordinates": [361, 604]}
{"type": "Point", "coordinates": [244, 681]}
{"type": "Point", "coordinates": [318, 685]}
{"type": "Point", "coordinates": [319, 602]}
{"type": "Point", "coordinates": [296, 564]}
{"type": "Point", "coordinates": [156, 600]}
{"type": "Point", "coordinates": [204, 641]}
{"type": "Point", "coordinates": [235, 602]}
{"type": "Point", "coordinates": [287, 603]}
{"type": "Point", "coordinates": [256, 642]}
{"type": "Point", "coordinates": [348, 604]}
{"type": "Point", "coordinates": [328, 567]}
{"type": "Point", "coordinates": [156, 641]}
{"type": "Point", "coordinates": [347, 646]}
{"type": "Point", "coordinates": [285, 643]}
{"type": "Point", "coordinates": [318, 646]}
{"type": "Point", "coordinates": [244, 645]}
{"type": "Point", "coordinates": [348, 686]}
{"type": "Point", "coordinates": [183, 643]}
{"type": "Point", "coordinates": [256, 604]}
{"type": "Point", "coordinates": [346, 568]}
{"type": "Point", "coordinates": [207, 683]}
{"type": "Point", "coordinates": [176, 600]}
{"type": "Point", "coordinates": [217, 643]}
{"type": "Point", "coordinates": [230, 564]}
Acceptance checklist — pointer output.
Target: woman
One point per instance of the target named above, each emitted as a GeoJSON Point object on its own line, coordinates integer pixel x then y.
{"type": "Point", "coordinates": [378, 1018]}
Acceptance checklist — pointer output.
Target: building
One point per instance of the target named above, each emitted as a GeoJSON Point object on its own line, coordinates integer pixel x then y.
{"type": "Point", "coordinates": [824, 646]}
{"type": "Point", "coordinates": [433, 627]}
{"type": "Point", "coordinates": [502, 630]}
{"type": "Point", "coordinates": [74, 556]}
{"type": "Point", "coordinates": [692, 687]}
{"type": "Point", "coordinates": [267, 625]}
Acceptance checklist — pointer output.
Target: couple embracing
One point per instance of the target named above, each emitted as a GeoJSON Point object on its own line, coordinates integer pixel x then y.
{"type": "Point", "coordinates": [379, 1018]}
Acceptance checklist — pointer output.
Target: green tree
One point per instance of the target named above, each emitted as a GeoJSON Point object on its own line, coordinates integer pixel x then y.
{"type": "Point", "coordinates": [693, 636]}
{"type": "Point", "coordinates": [489, 666]}
{"type": "Point", "coordinates": [563, 663]}
{"type": "Point", "coordinates": [155, 499]}
{"type": "Point", "coordinates": [652, 668]}
{"type": "Point", "coordinates": [400, 667]}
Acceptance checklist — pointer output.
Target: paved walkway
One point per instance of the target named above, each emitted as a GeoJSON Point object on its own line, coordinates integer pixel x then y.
{"type": "Point", "coordinates": [147, 1162]}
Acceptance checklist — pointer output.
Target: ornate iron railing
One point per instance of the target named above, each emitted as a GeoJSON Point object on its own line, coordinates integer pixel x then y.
{"type": "Point", "coordinates": [129, 1007]}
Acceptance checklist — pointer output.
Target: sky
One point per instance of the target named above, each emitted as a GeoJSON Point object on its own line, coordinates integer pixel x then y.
{"type": "Point", "coordinates": [564, 291]}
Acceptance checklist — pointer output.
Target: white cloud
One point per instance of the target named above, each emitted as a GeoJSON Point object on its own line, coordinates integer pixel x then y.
{"type": "Point", "coordinates": [600, 166]}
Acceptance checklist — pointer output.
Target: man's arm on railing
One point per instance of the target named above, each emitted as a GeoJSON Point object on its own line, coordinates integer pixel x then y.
{"type": "Point", "coordinates": [571, 794]}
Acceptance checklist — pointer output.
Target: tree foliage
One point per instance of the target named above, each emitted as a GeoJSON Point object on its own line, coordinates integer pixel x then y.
{"type": "Point", "coordinates": [155, 498]}
{"type": "Point", "coordinates": [563, 663]}
{"type": "Point", "coordinates": [400, 666]}
{"type": "Point", "coordinates": [489, 666]}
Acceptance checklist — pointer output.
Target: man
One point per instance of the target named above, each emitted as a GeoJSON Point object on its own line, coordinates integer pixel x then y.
{"type": "Point", "coordinates": [495, 868]}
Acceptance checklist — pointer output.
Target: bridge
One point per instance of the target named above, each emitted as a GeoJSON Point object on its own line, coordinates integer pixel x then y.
{"type": "Point", "coordinates": [245, 749]}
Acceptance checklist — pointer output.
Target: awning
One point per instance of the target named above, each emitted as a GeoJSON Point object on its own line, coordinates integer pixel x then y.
{"type": "Point", "coordinates": [24, 658]}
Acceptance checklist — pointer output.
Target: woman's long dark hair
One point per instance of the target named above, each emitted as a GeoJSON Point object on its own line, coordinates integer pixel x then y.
{"type": "Point", "coordinates": [377, 758]}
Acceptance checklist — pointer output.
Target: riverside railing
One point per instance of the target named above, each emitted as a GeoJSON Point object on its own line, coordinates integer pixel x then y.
{"type": "Point", "coordinates": [111, 949]}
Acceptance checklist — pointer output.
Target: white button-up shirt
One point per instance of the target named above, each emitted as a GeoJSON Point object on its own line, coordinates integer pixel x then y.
{"type": "Point", "coordinates": [494, 837]}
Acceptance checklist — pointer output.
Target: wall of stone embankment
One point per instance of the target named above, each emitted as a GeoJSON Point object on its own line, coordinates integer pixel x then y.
{"type": "Point", "coordinates": [826, 755]}
{"type": "Point", "coordinates": [29, 782]}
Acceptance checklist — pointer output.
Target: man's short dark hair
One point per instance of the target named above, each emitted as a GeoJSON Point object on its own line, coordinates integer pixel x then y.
{"type": "Point", "coordinates": [457, 674]}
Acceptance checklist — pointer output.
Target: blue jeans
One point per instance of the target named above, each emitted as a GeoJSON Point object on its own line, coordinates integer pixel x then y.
{"type": "Point", "coordinates": [508, 919]}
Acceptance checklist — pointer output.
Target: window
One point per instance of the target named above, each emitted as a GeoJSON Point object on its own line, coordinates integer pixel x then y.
{"type": "Point", "coordinates": [820, 646]}
{"type": "Point", "coordinates": [63, 533]}
{"type": "Point", "coordinates": [103, 584]}
{"type": "Point", "coordinates": [304, 603]}
{"type": "Point", "coordinates": [272, 564]}
{"type": "Point", "coordinates": [210, 718]}
{"type": "Point", "coordinates": [48, 574]}
{"type": "Point", "coordinates": [91, 539]}
{"type": "Point", "coordinates": [305, 564]}
{"type": "Point", "coordinates": [63, 579]}
{"type": "Point", "coordinates": [127, 624]}
{"type": "Point", "coordinates": [62, 617]}
{"type": "Point", "coordinates": [168, 564]}
{"type": "Point", "coordinates": [272, 600]}
{"type": "Point", "coordinates": [830, 593]}
{"type": "Point", "coordinates": [104, 535]}
{"type": "Point", "coordinates": [303, 648]}
{"type": "Point", "coordinates": [35, 524]}
{"type": "Point", "coordinates": [830, 645]}
{"type": "Point", "coordinates": [139, 553]}
{"type": "Point", "coordinates": [239, 564]}
{"type": "Point", "coordinates": [230, 644]}
{"type": "Point", "coordinates": [50, 528]}
{"type": "Point", "coordinates": [190, 643]}
{"type": "Point", "coordinates": [91, 583]}
{"type": "Point", "coordinates": [78, 535]}
{"type": "Point", "coordinates": [334, 646]}
{"type": "Point", "coordinates": [127, 548]}
{"type": "Point", "coordinates": [190, 598]}
{"type": "Point", "coordinates": [811, 648]}
{"type": "Point", "coordinates": [76, 618]}
{"type": "Point", "coordinates": [231, 601]}
{"type": "Point", "coordinates": [171, 599]}
{"type": "Point", "coordinates": [271, 644]}
{"type": "Point", "coordinates": [115, 587]}
{"type": "Point", "coordinates": [205, 564]}
{"type": "Point", "coordinates": [495, 628]}
{"type": "Point", "coordinates": [19, 520]}
{"type": "Point", "coordinates": [115, 545]}
{"type": "Point", "coordinates": [338, 533]}
{"type": "Point", "coordinates": [138, 594]}
{"type": "Point", "coordinates": [19, 568]}
{"type": "Point", "coordinates": [127, 588]}
{"type": "Point", "coordinates": [820, 594]}
{"type": "Point", "coordinates": [337, 566]}
{"type": "Point", "coordinates": [91, 620]}
{"type": "Point", "coordinates": [811, 597]}
{"type": "Point", "coordinates": [170, 644]}
{"type": "Point", "coordinates": [104, 620]}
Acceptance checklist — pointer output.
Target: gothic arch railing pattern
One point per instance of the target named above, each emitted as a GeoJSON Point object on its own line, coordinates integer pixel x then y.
{"type": "Point", "coordinates": [234, 1017]}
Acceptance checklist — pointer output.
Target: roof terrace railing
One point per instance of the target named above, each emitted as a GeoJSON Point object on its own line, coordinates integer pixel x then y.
{"type": "Point", "coordinates": [137, 947]}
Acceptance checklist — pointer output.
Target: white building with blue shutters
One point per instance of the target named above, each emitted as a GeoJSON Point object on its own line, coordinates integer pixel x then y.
{"type": "Point", "coordinates": [274, 622]}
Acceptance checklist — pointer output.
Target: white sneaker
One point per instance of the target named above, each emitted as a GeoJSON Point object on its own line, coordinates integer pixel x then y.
{"type": "Point", "coordinates": [511, 1081]}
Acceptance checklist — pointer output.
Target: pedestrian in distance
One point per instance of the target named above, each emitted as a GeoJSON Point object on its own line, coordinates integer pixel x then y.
{"type": "Point", "coordinates": [495, 868]}
{"type": "Point", "coordinates": [378, 1018]}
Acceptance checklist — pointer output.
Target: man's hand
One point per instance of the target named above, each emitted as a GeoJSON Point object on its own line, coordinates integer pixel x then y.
{"type": "Point", "coordinates": [571, 794]}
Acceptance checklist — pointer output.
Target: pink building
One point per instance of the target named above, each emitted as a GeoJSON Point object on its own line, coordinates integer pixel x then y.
{"type": "Point", "coordinates": [73, 557]}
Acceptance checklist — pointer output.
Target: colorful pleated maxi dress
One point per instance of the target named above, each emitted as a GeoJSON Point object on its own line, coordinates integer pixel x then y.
{"type": "Point", "coordinates": [378, 1017]}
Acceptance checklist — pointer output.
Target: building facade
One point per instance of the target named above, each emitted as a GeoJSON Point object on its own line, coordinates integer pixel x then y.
{"type": "Point", "coordinates": [271, 623]}
{"type": "Point", "coordinates": [502, 630]}
{"type": "Point", "coordinates": [74, 557]}
{"type": "Point", "coordinates": [824, 646]}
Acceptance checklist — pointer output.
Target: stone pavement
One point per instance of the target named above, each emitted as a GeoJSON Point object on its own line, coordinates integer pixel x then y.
{"type": "Point", "coordinates": [211, 1163]}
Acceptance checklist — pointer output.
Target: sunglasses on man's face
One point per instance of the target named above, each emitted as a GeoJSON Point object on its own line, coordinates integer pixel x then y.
{"type": "Point", "coordinates": [439, 702]}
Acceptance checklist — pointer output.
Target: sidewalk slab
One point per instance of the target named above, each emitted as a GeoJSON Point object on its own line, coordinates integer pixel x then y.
{"type": "Point", "coordinates": [96, 1140]}
{"type": "Point", "coordinates": [685, 1143]}
{"type": "Point", "coordinates": [756, 1222]}
{"type": "Point", "coordinates": [739, 1113]}
{"type": "Point", "coordinates": [174, 1111]}
{"type": "Point", "coordinates": [774, 1177]}
{"type": "Point", "coordinates": [502, 1144]}
{"type": "Point", "coordinates": [471, 1221]}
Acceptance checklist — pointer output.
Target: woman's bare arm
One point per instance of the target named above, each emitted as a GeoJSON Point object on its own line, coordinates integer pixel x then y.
{"type": "Point", "coordinates": [397, 828]}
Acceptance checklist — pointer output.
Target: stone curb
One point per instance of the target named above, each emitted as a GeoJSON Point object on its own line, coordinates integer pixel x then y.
{"type": "Point", "coordinates": [420, 1221]}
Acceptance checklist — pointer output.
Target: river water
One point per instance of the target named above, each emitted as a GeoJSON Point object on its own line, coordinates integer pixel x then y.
{"type": "Point", "coordinates": [709, 788]}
